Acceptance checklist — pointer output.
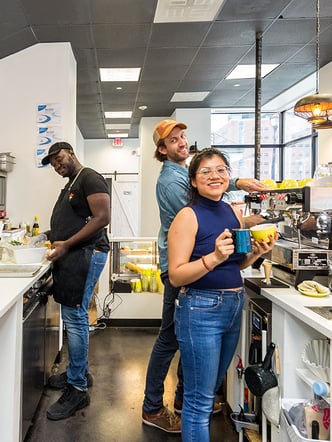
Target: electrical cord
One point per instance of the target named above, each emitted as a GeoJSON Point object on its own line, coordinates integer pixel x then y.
{"type": "Point", "coordinates": [108, 301]}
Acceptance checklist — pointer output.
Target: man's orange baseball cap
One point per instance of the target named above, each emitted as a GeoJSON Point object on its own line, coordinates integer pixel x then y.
{"type": "Point", "coordinates": [164, 128]}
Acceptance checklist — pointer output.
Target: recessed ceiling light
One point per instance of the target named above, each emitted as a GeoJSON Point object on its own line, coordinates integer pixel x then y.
{"type": "Point", "coordinates": [119, 88]}
{"type": "Point", "coordinates": [249, 71]}
{"type": "Point", "coordinates": [119, 135]}
{"type": "Point", "coordinates": [142, 107]}
{"type": "Point", "coordinates": [117, 126]}
{"type": "Point", "coordinates": [121, 114]}
{"type": "Point", "coordinates": [119, 74]}
{"type": "Point", "coordinates": [172, 11]}
{"type": "Point", "coordinates": [189, 96]}
{"type": "Point", "coordinates": [236, 84]}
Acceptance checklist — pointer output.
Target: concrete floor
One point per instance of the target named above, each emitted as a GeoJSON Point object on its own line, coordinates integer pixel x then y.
{"type": "Point", "coordinates": [118, 361]}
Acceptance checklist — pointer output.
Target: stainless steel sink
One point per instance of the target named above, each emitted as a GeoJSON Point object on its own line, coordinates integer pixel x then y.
{"type": "Point", "coordinates": [325, 311]}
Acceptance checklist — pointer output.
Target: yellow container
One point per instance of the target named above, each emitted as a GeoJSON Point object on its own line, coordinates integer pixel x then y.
{"type": "Point", "coordinates": [263, 231]}
{"type": "Point", "coordinates": [289, 184]}
{"type": "Point", "coordinates": [136, 285]}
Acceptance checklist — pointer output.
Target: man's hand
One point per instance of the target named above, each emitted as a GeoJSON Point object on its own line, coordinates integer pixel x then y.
{"type": "Point", "coordinates": [252, 220]}
{"type": "Point", "coordinates": [250, 185]}
{"type": "Point", "coordinates": [58, 249]}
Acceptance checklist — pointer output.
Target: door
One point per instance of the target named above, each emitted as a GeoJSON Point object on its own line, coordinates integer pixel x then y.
{"type": "Point", "coordinates": [125, 205]}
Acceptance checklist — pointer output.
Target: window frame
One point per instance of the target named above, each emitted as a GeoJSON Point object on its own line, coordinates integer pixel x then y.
{"type": "Point", "coordinates": [281, 145]}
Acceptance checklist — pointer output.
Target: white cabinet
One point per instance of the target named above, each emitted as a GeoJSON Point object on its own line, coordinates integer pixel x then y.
{"type": "Point", "coordinates": [293, 326]}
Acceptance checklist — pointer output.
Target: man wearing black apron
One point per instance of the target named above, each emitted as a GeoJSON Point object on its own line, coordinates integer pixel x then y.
{"type": "Point", "coordinates": [79, 248]}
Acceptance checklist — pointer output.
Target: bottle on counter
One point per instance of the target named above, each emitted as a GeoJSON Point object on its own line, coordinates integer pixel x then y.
{"type": "Point", "coordinates": [35, 227]}
{"type": "Point", "coordinates": [7, 224]}
{"type": "Point", "coordinates": [28, 229]}
{"type": "Point", "coordinates": [153, 281]}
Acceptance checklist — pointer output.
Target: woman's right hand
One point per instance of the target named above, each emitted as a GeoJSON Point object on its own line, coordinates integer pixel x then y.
{"type": "Point", "coordinates": [224, 246]}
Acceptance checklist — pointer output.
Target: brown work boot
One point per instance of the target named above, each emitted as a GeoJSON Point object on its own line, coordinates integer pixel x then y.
{"type": "Point", "coordinates": [178, 407]}
{"type": "Point", "coordinates": [164, 420]}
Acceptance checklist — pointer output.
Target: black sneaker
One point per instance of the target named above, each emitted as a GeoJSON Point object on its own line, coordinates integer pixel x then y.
{"type": "Point", "coordinates": [67, 405]}
{"type": "Point", "coordinates": [59, 381]}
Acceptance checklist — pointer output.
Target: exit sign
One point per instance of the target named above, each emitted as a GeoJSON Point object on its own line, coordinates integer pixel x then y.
{"type": "Point", "coordinates": [117, 142]}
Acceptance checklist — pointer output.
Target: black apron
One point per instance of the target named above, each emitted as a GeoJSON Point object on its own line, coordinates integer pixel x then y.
{"type": "Point", "coordinates": [69, 271]}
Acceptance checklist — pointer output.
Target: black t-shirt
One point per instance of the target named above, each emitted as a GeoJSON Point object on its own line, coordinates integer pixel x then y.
{"type": "Point", "coordinates": [71, 211]}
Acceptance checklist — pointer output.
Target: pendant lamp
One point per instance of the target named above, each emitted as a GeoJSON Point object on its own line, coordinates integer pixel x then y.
{"type": "Point", "coordinates": [317, 108]}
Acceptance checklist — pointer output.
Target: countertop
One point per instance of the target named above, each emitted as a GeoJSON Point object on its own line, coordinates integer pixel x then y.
{"type": "Point", "coordinates": [290, 300]}
{"type": "Point", "coordinates": [14, 288]}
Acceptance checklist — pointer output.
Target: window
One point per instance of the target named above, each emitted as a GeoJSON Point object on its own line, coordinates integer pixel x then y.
{"type": "Point", "coordinates": [235, 135]}
{"type": "Point", "coordinates": [299, 147]}
{"type": "Point", "coordinates": [287, 148]}
{"type": "Point", "coordinates": [295, 127]}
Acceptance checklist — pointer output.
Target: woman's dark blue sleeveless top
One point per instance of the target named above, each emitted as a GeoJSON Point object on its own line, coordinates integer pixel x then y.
{"type": "Point", "coordinates": [214, 217]}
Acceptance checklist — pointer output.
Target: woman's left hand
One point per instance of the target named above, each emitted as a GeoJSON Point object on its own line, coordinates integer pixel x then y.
{"type": "Point", "coordinates": [259, 248]}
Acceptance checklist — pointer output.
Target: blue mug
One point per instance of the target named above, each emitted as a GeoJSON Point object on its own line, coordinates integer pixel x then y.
{"type": "Point", "coordinates": [242, 240]}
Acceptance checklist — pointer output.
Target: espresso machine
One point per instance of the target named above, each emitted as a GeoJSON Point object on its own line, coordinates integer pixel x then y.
{"type": "Point", "coordinates": [303, 217]}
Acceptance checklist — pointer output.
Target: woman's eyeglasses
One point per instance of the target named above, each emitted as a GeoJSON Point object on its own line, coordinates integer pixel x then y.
{"type": "Point", "coordinates": [222, 171]}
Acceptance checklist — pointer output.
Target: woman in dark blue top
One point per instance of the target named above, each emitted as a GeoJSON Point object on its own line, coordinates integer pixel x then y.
{"type": "Point", "coordinates": [202, 261]}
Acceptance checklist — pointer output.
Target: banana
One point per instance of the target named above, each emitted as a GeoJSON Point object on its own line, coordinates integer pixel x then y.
{"type": "Point", "coordinates": [308, 285]}
{"type": "Point", "coordinates": [133, 267]}
{"type": "Point", "coordinates": [320, 288]}
{"type": "Point", "coordinates": [313, 288]}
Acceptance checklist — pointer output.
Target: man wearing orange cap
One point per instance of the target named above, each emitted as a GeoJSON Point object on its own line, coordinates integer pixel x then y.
{"type": "Point", "coordinates": [172, 193]}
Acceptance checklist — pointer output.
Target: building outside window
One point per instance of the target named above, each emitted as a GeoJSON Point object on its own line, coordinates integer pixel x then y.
{"type": "Point", "coordinates": [287, 144]}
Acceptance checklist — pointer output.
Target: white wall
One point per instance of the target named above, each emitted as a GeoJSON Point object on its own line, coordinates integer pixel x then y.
{"type": "Point", "coordinates": [43, 73]}
{"type": "Point", "coordinates": [199, 125]}
{"type": "Point", "coordinates": [79, 147]}
{"type": "Point", "coordinates": [106, 159]}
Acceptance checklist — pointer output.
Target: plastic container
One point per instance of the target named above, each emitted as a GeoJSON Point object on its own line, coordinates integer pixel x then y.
{"type": "Point", "coordinates": [292, 431]}
{"type": "Point", "coordinates": [26, 254]}
{"type": "Point", "coordinates": [13, 235]}
{"type": "Point", "coordinates": [250, 423]}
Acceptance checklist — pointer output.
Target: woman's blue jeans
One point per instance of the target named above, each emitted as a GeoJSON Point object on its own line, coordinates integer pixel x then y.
{"type": "Point", "coordinates": [207, 326]}
{"type": "Point", "coordinates": [76, 321]}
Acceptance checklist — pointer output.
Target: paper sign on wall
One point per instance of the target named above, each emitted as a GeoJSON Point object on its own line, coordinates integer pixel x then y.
{"type": "Point", "coordinates": [49, 129]}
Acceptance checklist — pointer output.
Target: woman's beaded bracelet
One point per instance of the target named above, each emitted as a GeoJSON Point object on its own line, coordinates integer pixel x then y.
{"type": "Point", "coordinates": [205, 265]}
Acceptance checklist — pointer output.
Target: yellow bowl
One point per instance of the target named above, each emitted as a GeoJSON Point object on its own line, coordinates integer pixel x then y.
{"type": "Point", "coordinates": [270, 184]}
{"type": "Point", "coordinates": [289, 184]}
{"type": "Point", "coordinates": [263, 231]}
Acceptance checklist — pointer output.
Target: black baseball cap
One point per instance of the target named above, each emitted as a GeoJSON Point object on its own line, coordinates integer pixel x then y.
{"type": "Point", "coordinates": [54, 149]}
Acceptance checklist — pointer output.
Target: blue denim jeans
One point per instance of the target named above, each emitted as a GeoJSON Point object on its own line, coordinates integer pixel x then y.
{"type": "Point", "coordinates": [76, 321]}
{"type": "Point", "coordinates": [207, 326]}
{"type": "Point", "coordinates": [162, 354]}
